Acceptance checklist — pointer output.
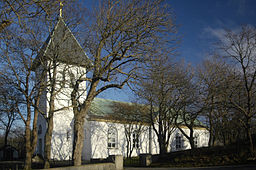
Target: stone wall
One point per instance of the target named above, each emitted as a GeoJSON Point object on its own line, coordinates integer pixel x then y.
{"type": "Point", "coordinates": [117, 165]}
{"type": "Point", "coordinates": [99, 166]}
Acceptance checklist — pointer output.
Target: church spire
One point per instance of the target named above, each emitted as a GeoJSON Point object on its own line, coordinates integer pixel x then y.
{"type": "Point", "coordinates": [61, 6]}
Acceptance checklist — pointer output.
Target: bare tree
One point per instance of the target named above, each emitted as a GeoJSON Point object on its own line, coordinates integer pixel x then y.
{"type": "Point", "coordinates": [135, 121]}
{"type": "Point", "coordinates": [31, 21]}
{"type": "Point", "coordinates": [159, 86]}
{"type": "Point", "coordinates": [212, 73]}
{"type": "Point", "coordinates": [218, 82]}
{"type": "Point", "coordinates": [240, 49]}
{"type": "Point", "coordinates": [10, 100]}
{"type": "Point", "coordinates": [21, 76]}
{"type": "Point", "coordinates": [17, 13]}
{"type": "Point", "coordinates": [121, 34]}
{"type": "Point", "coordinates": [190, 106]}
{"type": "Point", "coordinates": [20, 42]}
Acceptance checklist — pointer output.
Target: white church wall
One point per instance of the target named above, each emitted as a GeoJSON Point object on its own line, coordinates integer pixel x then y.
{"type": "Point", "coordinates": [66, 76]}
{"type": "Point", "coordinates": [62, 120]}
{"type": "Point", "coordinates": [155, 145]}
{"type": "Point", "coordinates": [96, 132]}
{"type": "Point", "coordinates": [62, 135]}
{"type": "Point", "coordinates": [99, 140]}
{"type": "Point", "coordinates": [96, 140]}
{"type": "Point", "coordinates": [41, 128]}
{"type": "Point", "coordinates": [202, 138]}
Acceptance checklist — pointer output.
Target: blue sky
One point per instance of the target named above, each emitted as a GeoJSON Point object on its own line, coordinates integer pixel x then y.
{"type": "Point", "coordinates": [201, 24]}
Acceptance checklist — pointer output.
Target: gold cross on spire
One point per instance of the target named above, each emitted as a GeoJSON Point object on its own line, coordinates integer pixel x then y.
{"type": "Point", "coordinates": [61, 6]}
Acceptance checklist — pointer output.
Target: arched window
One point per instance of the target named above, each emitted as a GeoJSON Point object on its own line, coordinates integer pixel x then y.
{"type": "Point", "coordinates": [68, 134]}
{"type": "Point", "coordinates": [179, 142]}
{"type": "Point", "coordinates": [39, 130]}
{"type": "Point", "coordinates": [196, 138]}
{"type": "Point", "coordinates": [135, 139]}
{"type": "Point", "coordinates": [112, 137]}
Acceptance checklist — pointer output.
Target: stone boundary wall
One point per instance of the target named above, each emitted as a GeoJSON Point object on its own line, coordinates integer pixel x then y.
{"type": "Point", "coordinates": [117, 165]}
{"type": "Point", "coordinates": [98, 166]}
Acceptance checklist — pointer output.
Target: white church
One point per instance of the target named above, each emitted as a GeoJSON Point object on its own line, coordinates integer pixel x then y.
{"type": "Point", "coordinates": [103, 136]}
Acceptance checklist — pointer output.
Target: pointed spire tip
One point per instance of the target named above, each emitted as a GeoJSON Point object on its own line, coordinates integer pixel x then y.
{"type": "Point", "coordinates": [61, 6]}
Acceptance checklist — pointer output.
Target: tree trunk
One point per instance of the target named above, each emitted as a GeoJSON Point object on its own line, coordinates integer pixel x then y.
{"type": "Point", "coordinates": [163, 149]}
{"type": "Point", "coordinates": [162, 146]}
{"type": "Point", "coordinates": [224, 139]}
{"type": "Point", "coordinates": [130, 149]}
{"type": "Point", "coordinates": [191, 141]}
{"type": "Point", "coordinates": [5, 143]}
{"type": "Point", "coordinates": [127, 147]}
{"type": "Point", "coordinates": [249, 137]}
{"type": "Point", "coordinates": [48, 134]}
{"type": "Point", "coordinates": [210, 142]}
{"type": "Point", "coordinates": [47, 142]}
{"type": "Point", "coordinates": [6, 137]}
{"type": "Point", "coordinates": [28, 160]}
{"type": "Point", "coordinates": [251, 144]}
{"type": "Point", "coordinates": [213, 139]}
{"type": "Point", "coordinates": [79, 115]}
{"type": "Point", "coordinates": [78, 139]}
{"type": "Point", "coordinates": [191, 138]}
{"type": "Point", "coordinates": [28, 147]}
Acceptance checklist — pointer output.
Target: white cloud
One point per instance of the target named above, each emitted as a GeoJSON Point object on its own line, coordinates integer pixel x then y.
{"type": "Point", "coordinates": [218, 33]}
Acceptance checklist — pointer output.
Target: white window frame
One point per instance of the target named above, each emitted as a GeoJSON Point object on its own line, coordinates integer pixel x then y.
{"type": "Point", "coordinates": [196, 138]}
{"type": "Point", "coordinates": [178, 142]}
{"type": "Point", "coordinates": [112, 137]}
{"type": "Point", "coordinates": [136, 139]}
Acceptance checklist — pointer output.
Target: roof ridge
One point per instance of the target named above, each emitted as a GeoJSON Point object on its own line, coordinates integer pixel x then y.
{"type": "Point", "coordinates": [117, 101]}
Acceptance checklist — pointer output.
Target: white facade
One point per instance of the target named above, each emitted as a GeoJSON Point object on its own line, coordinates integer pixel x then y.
{"type": "Point", "coordinates": [96, 143]}
{"type": "Point", "coordinates": [96, 140]}
{"type": "Point", "coordinates": [63, 118]}
{"type": "Point", "coordinates": [103, 137]}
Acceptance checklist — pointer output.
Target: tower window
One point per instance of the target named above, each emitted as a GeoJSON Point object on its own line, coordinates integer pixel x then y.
{"type": "Point", "coordinates": [39, 130]}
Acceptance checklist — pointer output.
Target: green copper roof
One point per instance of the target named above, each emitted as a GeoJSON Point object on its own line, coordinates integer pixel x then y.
{"type": "Point", "coordinates": [109, 109]}
{"type": "Point", "coordinates": [104, 109]}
